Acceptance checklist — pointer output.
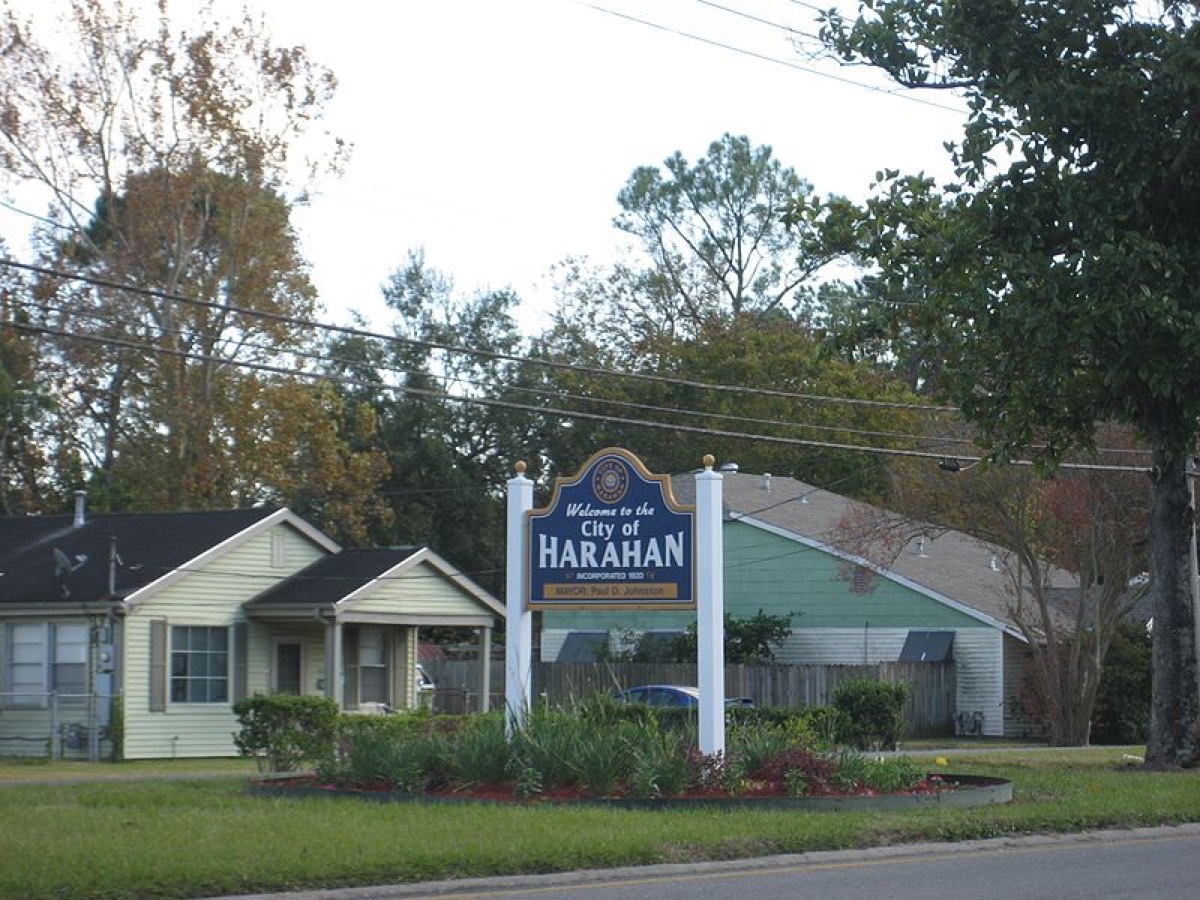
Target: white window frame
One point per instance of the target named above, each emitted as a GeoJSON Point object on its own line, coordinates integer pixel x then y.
{"type": "Point", "coordinates": [36, 696]}
{"type": "Point", "coordinates": [383, 666]}
{"type": "Point", "coordinates": [188, 677]}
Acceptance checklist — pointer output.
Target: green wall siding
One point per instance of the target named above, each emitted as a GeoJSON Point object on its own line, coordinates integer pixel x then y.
{"type": "Point", "coordinates": [782, 577]}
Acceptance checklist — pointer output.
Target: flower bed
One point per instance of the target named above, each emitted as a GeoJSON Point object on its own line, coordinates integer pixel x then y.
{"type": "Point", "coordinates": [935, 790]}
{"type": "Point", "coordinates": [621, 756]}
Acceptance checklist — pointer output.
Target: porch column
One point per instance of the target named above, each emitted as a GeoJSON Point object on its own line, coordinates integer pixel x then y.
{"type": "Point", "coordinates": [485, 668]}
{"type": "Point", "coordinates": [333, 662]}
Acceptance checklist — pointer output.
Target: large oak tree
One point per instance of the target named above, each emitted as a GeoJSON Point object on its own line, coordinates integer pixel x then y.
{"type": "Point", "coordinates": [1062, 270]}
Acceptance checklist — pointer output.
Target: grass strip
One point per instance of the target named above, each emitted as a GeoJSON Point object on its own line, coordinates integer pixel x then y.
{"type": "Point", "coordinates": [196, 838]}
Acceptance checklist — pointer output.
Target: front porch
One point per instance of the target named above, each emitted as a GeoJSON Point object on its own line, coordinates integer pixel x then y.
{"type": "Point", "coordinates": [367, 664]}
{"type": "Point", "coordinates": [346, 627]}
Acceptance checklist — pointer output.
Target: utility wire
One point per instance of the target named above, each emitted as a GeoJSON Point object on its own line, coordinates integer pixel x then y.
{"type": "Point", "coordinates": [541, 411]}
{"type": "Point", "coordinates": [923, 439]}
{"type": "Point", "coordinates": [765, 58]}
{"type": "Point", "coordinates": [926, 441]}
{"type": "Point", "coordinates": [452, 348]}
{"type": "Point", "coordinates": [750, 17]}
{"type": "Point", "coordinates": [449, 380]}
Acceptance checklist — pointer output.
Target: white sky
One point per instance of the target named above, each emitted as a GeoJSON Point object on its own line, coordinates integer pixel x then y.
{"type": "Point", "coordinates": [497, 133]}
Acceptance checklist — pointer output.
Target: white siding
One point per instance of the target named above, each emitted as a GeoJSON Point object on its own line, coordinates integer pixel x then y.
{"type": "Point", "coordinates": [842, 646]}
{"type": "Point", "coordinates": [213, 597]}
{"type": "Point", "coordinates": [1018, 723]}
{"type": "Point", "coordinates": [979, 671]}
{"type": "Point", "coordinates": [552, 642]}
{"type": "Point", "coordinates": [424, 591]}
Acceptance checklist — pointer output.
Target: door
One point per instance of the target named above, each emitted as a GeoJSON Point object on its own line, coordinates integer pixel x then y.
{"type": "Point", "coordinates": [288, 671]}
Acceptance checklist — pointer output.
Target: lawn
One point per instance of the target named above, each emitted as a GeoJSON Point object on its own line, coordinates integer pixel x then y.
{"type": "Point", "coordinates": [15, 770]}
{"type": "Point", "coordinates": [187, 838]}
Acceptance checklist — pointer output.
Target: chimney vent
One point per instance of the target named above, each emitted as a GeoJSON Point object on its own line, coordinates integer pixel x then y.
{"type": "Point", "coordinates": [766, 484]}
{"type": "Point", "coordinates": [80, 497]}
{"type": "Point", "coordinates": [729, 467]}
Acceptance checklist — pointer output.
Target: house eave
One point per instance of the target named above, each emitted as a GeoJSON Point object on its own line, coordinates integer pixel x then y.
{"type": "Point", "coordinates": [57, 609]}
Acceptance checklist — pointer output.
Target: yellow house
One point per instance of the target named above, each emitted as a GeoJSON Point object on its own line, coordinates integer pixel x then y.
{"type": "Point", "coordinates": [144, 629]}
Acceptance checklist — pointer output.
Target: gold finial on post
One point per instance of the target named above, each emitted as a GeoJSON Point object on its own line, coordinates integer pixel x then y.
{"type": "Point", "coordinates": [520, 467]}
{"type": "Point", "coordinates": [709, 460]}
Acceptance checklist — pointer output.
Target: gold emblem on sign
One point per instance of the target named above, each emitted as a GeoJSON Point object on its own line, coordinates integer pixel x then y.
{"type": "Point", "coordinates": [610, 481]}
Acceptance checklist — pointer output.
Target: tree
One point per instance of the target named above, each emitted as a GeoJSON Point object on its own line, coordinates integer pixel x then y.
{"type": "Point", "coordinates": [1061, 272]}
{"type": "Point", "coordinates": [751, 641]}
{"type": "Point", "coordinates": [709, 243]}
{"type": "Point", "coordinates": [167, 158]}
{"type": "Point", "coordinates": [1122, 714]}
{"type": "Point", "coordinates": [448, 458]}
{"type": "Point", "coordinates": [25, 480]}
{"type": "Point", "coordinates": [775, 355]}
{"type": "Point", "coordinates": [1087, 524]}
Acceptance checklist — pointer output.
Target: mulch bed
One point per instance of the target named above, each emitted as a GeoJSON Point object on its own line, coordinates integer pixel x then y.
{"type": "Point", "coordinates": [934, 790]}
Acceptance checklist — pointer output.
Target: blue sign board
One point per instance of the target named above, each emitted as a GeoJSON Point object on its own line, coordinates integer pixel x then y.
{"type": "Point", "coordinates": [612, 536]}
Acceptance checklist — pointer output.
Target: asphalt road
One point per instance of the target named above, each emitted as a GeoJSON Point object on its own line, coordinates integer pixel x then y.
{"type": "Point", "coordinates": [1157, 863]}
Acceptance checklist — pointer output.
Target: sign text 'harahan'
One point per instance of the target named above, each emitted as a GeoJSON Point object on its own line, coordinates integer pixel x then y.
{"type": "Point", "coordinates": [612, 536]}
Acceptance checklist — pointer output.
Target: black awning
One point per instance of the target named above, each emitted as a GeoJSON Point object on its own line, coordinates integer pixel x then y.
{"type": "Point", "coordinates": [928, 646]}
{"type": "Point", "coordinates": [582, 647]}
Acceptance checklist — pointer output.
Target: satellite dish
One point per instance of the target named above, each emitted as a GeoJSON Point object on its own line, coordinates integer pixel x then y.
{"type": "Point", "coordinates": [63, 564]}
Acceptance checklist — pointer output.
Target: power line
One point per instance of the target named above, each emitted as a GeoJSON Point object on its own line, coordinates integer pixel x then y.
{"type": "Point", "coordinates": [750, 17]}
{"type": "Point", "coordinates": [924, 439]}
{"type": "Point", "coordinates": [541, 411]}
{"type": "Point", "coordinates": [484, 354]}
{"type": "Point", "coordinates": [765, 58]}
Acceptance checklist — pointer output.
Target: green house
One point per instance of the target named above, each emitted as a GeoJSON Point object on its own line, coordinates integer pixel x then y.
{"type": "Point", "coordinates": [944, 597]}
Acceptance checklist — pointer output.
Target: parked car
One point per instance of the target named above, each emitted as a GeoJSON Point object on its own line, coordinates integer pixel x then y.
{"type": "Point", "coordinates": [424, 682]}
{"type": "Point", "coordinates": [672, 695]}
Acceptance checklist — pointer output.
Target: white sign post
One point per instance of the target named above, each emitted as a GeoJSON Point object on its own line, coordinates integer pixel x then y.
{"type": "Point", "coordinates": [518, 639]}
{"type": "Point", "coordinates": [710, 609]}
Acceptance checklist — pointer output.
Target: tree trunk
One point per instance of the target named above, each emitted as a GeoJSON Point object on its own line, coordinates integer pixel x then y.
{"type": "Point", "coordinates": [1175, 708]}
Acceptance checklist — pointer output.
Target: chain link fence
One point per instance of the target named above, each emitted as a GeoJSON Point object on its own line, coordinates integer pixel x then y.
{"type": "Point", "coordinates": [58, 726]}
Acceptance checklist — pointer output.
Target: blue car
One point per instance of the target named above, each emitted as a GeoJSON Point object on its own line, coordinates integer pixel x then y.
{"type": "Point", "coordinates": [672, 695]}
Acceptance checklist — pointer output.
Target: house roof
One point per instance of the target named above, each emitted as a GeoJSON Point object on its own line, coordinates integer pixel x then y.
{"type": "Point", "coordinates": [334, 577]}
{"type": "Point", "coordinates": [149, 546]}
{"type": "Point", "coordinates": [351, 575]}
{"type": "Point", "coordinates": [947, 565]}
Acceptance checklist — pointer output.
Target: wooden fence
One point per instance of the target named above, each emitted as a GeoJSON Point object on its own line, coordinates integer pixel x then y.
{"type": "Point", "coordinates": [931, 707]}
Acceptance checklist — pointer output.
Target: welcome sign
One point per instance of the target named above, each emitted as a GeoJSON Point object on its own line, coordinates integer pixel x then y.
{"type": "Point", "coordinates": [612, 536]}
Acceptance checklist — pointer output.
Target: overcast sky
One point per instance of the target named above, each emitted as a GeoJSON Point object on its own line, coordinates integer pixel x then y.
{"type": "Point", "coordinates": [496, 134]}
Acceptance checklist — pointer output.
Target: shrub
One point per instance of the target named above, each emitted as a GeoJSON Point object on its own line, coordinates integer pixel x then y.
{"type": "Point", "coordinates": [888, 776]}
{"type": "Point", "coordinates": [1122, 714]}
{"type": "Point", "coordinates": [285, 731]}
{"type": "Point", "coordinates": [659, 764]}
{"type": "Point", "coordinates": [751, 746]}
{"type": "Point", "coordinates": [548, 745]}
{"type": "Point", "coordinates": [413, 762]}
{"type": "Point", "coordinates": [480, 751]}
{"type": "Point", "coordinates": [820, 726]}
{"type": "Point", "coordinates": [798, 769]}
{"type": "Point", "coordinates": [871, 713]}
